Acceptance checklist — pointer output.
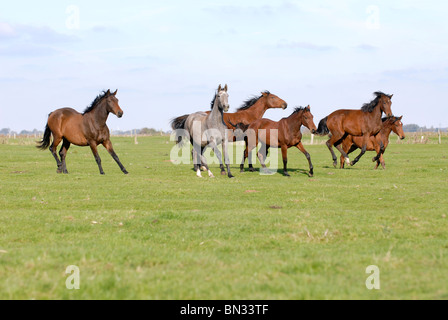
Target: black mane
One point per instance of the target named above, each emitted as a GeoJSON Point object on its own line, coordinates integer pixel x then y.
{"type": "Point", "coordinates": [250, 102]}
{"type": "Point", "coordinates": [393, 118]}
{"type": "Point", "coordinates": [369, 107]}
{"type": "Point", "coordinates": [298, 109]}
{"type": "Point", "coordinates": [95, 102]}
{"type": "Point", "coordinates": [213, 101]}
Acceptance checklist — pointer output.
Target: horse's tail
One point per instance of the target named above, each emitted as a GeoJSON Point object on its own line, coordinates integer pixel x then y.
{"type": "Point", "coordinates": [45, 142]}
{"type": "Point", "coordinates": [179, 124]}
{"type": "Point", "coordinates": [322, 129]}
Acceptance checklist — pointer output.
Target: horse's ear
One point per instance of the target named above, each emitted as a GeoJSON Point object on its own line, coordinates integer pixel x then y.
{"type": "Point", "coordinates": [264, 94]}
{"type": "Point", "coordinates": [108, 92]}
{"type": "Point", "coordinates": [391, 96]}
{"type": "Point", "coordinates": [226, 88]}
{"type": "Point", "coordinates": [219, 88]}
{"type": "Point", "coordinates": [308, 108]}
{"type": "Point", "coordinates": [399, 119]}
{"type": "Point", "coordinates": [115, 93]}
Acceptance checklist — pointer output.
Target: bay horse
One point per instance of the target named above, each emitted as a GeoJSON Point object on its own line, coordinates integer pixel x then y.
{"type": "Point", "coordinates": [82, 129]}
{"type": "Point", "coordinates": [251, 110]}
{"type": "Point", "coordinates": [286, 134]}
{"type": "Point", "coordinates": [207, 130]}
{"type": "Point", "coordinates": [362, 123]}
{"type": "Point", "coordinates": [351, 143]}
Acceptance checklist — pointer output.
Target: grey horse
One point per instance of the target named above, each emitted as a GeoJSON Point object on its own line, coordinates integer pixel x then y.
{"type": "Point", "coordinates": [207, 130]}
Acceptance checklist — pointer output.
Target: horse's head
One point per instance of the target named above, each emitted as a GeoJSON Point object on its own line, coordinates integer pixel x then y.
{"type": "Point", "coordinates": [307, 120]}
{"type": "Point", "coordinates": [112, 104]}
{"type": "Point", "coordinates": [397, 128]}
{"type": "Point", "coordinates": [223, 98]}
{"type": "Point", "coordinates": [386, 104]}
{"type": "Point", "coordinates": [272, 101]}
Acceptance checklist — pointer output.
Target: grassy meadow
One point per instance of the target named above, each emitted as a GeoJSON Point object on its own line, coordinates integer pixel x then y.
{"type": "Point", "coordinates": [162, 233]}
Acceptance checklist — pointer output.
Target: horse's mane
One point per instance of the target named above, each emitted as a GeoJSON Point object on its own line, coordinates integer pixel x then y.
{"type": "Point", "coordinates": [369, 107]}
{"type": "Point", "coordinates": [213, 101]}
{"type": "Point", "coordinates": [298, 109]}
{"type": "Point", "coordinates": [250, 102]}
{"type": "Point", "coordinates": [391, 118]}
{"type": "Point", "coordinates": [95, 102]}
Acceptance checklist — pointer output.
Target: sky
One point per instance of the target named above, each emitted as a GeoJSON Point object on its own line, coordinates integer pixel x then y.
{"type": "Point", "coordinates": [167, 58]}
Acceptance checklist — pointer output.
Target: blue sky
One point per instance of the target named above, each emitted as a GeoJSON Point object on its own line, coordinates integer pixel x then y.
{"type": "Point", "coordinates": [167, 57]}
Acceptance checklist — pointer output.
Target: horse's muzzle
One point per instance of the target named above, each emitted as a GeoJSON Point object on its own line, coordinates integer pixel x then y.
{"type": "Point", "coordinates": [313, 131]}
{"type": "Point", "coordinates": [120, 114]}
{"type": "Point", "coordinates": [403, 137]}
{"type": "Point", "coordinates": [285, 106]}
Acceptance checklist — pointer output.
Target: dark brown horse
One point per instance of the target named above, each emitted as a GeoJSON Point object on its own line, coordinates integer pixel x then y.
{"type": "Point", "coordinates": [351, 143]}
{"type": "Point", "coordinates": [86, 129]}
{"type": "Point", "coordinates": [253, 109]}
{"type": "Point", "coordinates": [285, 134]}
{"type": "Point", "coordinates": [361, 123]}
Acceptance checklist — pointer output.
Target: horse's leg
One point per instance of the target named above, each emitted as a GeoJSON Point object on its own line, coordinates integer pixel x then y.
{"type": "Point", "coordinates": [93, 146]}
{"type": "Point", "coordinates": [204, 164]}
{"type": "Point", "coordinates": [380, 152]}
{"type": "Point", "coordinates": [63, 154]}
{"type": "Point", "coordinates": [218, 154]}
{"type": "Point", "coordinates": [53, 149]}
{"type": "Point", "coordinates": [352, 148]}
{"type": "Point", "coordinates": [335, 138]}
{"type": "Point", "coordinates": [225, 144]}
{"type": "Point", "coordinates": [285, 160]}
{"type": "Point", "coordinates": [245, 154]}
{"type": "Point", "coordinates": [260, 154]}
{"type": "Point", "coordinates": [365, 140]}
{"type": "Point", "coordinates": [383, 164]}
{"type": "Point", "coordinates": [197, 159]}
{"type": "Point", "coordinates": [308, 157]}
{"type": "Point", "coordinates": [108, 145]}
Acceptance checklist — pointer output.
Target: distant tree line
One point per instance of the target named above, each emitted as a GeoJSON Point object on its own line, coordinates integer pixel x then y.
{"type": "Point", "coordinates": [417, 128]}
{"type": "Point", "coordinates": [154, 132]}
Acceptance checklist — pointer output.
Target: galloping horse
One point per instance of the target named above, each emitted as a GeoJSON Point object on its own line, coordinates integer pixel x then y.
{"type": "Point", "coordinates": [252, 109]}
{"type": "Point", "coordinates": [207, 130]}
{"type": "Point", "coordinates": [351, 143]}
{"type": "Point", "coordinates": [365, 122]}
{"type": "Point", "coordinates": [86, 129]}
{"type": "Point", "coordinates": [286, 134]}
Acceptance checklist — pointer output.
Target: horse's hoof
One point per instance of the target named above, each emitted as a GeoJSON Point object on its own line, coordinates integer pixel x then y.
{"type": "Point", "coordinates": [125, 172]}
{"type": "Point", "coordinates": [223, 173]}
{"type": "Point", "coordinates": [251, 169]}
{"type": "Point", "coordinates": [352, 163]}
{"type": "Point", "coordinates": [310, 174]}
{"type": "Point", "coordinates": [231, 176]}
{"type": "Point", "coordinates": [203, 168]}
{"type": "Point", "coordinates": [335, 165]}
{"type": "Point", "coordinates": [286, 174]}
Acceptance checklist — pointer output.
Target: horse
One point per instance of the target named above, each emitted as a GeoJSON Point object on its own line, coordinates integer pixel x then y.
{"type": "Point", "coordinates": [207, 130]}
{"type": "Point", "coordinates": [351, 143]}
{"type": "Point", "coordinates": [251, 110]}
{"type": "Point", "coordinates": [286, 134]}
{"type": "Point", "coordinates": [365, 122]}
{"type": "Point", "coordinates": [82, 129]}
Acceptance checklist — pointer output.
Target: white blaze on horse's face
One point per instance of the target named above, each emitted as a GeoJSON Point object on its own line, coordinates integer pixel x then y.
{"type": "Point", "coordinates": [223, 98]}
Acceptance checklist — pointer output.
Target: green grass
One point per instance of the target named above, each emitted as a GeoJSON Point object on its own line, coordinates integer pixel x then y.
{"type": "Point", "coordinates": [162, 233]}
